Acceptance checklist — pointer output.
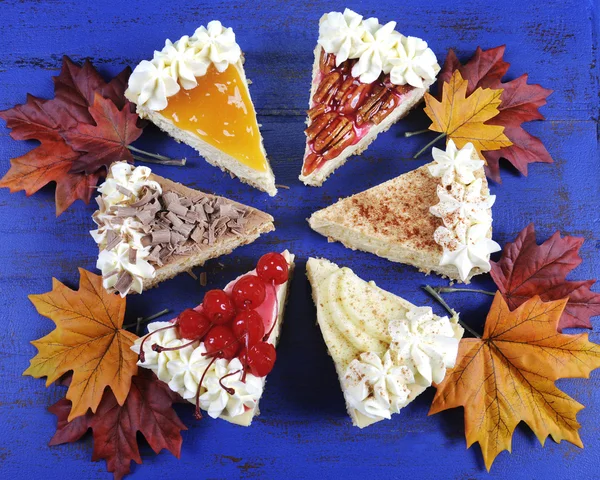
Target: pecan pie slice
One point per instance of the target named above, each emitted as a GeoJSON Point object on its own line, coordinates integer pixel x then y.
{"type": "Point", "coordinates": [366, 77]}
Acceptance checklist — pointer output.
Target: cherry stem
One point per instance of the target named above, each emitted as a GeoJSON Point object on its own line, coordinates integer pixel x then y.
{"type": "Point", "coordinates": [142, 355]}
{"type": "Point", "coordinates": [435, 140]}
{"type": "Point", "coordinates": [266, 337]}
{"type": "Point", "coordinates": [158, 348]}
{"type": "Point", "coordinates": [155, 157]}
{"type": "Point", "coordinates": [459, 290]}
{"type": "Point", "coordinates": [197, 414]}
{"type": "Point", "coordinates": [141, 320]}
{"type": "Point", "coordinates": [450, 310]}
{"type": "Point", "coordinates": [229, 390]}
{"type": "Point", "coordinates": [418, 132]}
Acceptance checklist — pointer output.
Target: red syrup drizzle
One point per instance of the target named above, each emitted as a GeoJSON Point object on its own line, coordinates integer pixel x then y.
{"type": "Point", "coordinates": [343, 109]}
{"type": "Point", "coordinates": [217, 322]}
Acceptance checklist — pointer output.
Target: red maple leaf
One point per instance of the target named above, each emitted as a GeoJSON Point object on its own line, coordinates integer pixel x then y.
{"type": "Point", "coordinates": [148, 409]}
{"type": "Point", "coordinates": [527, 269]}
{"type": "Point", "coordinates": [49, 121]}
{"type": "Point", "coordinates": [520, 103]}
{"type": "Point", "coordinates": [105, 141]}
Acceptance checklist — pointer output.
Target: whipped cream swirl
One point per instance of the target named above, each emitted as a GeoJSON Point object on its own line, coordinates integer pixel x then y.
{"type": "Point", "coordinates": [424, 343]}
{"type": "Point", "coordinates": [465, 210]}
{"type": "Point", "coordinates": [166, 336]}
{"type": "Point", "coordinates": [123, 186]}
{"type": "Point", "coordinates": [377, 387]}
{"type": "Point", "coordinates": [179, 63]}
{"type": "Point", "coordinates": [378, 48]}
{"type": "Point", "coordinates": [217, 401]}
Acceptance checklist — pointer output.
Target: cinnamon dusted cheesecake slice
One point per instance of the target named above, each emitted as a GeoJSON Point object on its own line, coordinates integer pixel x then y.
{"type": "Point", "coordinates": [366, 77]}
{"type": "Point", "coordinates": [196, 90]}
{"type": "Point", "coordinates": [437, 218]}
{"type": "Point", "coordinates": [218, 355]}
{"type": "Point", "coordinates": [385, 349]}
{"type": "Point", "coordinates": [151, 229]}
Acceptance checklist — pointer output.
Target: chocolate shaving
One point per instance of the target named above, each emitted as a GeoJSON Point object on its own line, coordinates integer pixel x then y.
{"type": "Point", "coordinates": [174, 219]}
{"type": "Point", "coordinates": [125, 191]}
{"type": "Point", "coordinates": [112, 240]}
{"type": "Point", "coordinates": [123, 282]}
{"type": "Point", "coordinates": [177, 209]}
{"type": "Point", "coordinates": [161, 236]}
{"type": "Point", "coordinates": [126, 212]}
{"type": "Point", "coordinates": [203, 279]}
{"type": "Point", "coordinates": [132, 256]}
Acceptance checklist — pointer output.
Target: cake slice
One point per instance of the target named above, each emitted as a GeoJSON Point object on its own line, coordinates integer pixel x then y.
{"type": "Point", "coordinates": [437, 218]}
{"type": "Point", "coordinates": [366, 77]}
{"type": "Point", "coordinates": [151, 229]}
{"type": "Point", "coordinates": [386, 350]}
{"type": "Point", "coordinates": [217, 355]}
{"type": "Point", "coordinates": [196, 91]}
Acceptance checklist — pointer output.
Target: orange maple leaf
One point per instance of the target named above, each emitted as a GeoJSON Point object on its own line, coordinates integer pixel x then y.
{"type": "Point", "coordinates": [508, 376]}
{"type": "Point", "coordinates": [88, 340]}
{"type": "Point", "coordinates": [461, 117]}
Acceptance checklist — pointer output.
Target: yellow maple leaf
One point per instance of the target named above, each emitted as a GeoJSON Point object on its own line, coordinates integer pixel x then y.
{"type": "Point", "coordinates": [508, 376]}
{"type": "Point", "coordinates": [462, 118]}
{"type": "Point", "coordinates": [88, 340]}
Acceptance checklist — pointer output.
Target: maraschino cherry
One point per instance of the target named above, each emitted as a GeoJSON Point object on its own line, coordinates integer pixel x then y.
{"type": "Point", "coordinates": [218, 307]}
{"type": "Point", "coordinates": [273, 269]}
{"type": "Point", "coordinates": [248, 292]}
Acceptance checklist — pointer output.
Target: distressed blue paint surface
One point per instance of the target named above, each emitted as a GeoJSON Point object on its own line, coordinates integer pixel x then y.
{"type": "Point", "coordinates": [303, 431]}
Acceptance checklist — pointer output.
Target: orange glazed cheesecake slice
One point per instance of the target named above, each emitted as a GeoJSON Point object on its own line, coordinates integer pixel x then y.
{"type": "Point", "coordinates": [151, 229]}
{"type": "Point", "coordinates": [366, 77]}
{"type": "Point", "coordinates": [437, 218]}
{"type": "Point", "coordinates": [385, 349]}
{"type": "Point", "coordinates": [196, 91]}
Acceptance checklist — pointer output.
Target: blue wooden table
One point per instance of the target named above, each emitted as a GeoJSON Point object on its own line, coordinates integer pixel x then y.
{"type": "Point", "coordinates": [303, 430]}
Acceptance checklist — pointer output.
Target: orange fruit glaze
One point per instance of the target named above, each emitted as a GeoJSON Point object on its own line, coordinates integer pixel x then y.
{"type": "Point", "coordinates": [220, 112]}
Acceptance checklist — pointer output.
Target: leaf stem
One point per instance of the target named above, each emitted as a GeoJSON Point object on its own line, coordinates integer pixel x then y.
{"type": "Point", "coordinates": [418, 132]}
{"type": "Point", "coordinates": [451, 311]}
{"type": "Point", "coordinates": [141, 320]}
{"type": "Point", "coordinates": [155, 157]}
{"type": "Point", "coordinates": [459, 290]}
{"type": "Point", "coordinates": [439, 137]}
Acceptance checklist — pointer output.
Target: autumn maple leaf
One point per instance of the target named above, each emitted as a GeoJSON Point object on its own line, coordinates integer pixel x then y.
{"type": "Point", "coordinates": [73, 109]}
{"type": "Point", "coordinates": [88, 340]}
{"type": "Point", "coordinates": [104, 141]}
{"type": "Point", "coordinates": [462, 116]}
{"type": "Point", "coordinates": [527, 269]}
{"type": "Point", "coordinates": [520, 102]}
{"type": "Point", "coordinates": [508, 376]}
{"type": "Point", "coordinates": [147, 409]}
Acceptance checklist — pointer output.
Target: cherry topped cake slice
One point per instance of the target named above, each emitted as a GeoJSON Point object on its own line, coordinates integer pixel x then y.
{"type": "Point", "coordinates": [196, 90]}
{"type": "Point", "coordinates": [218, 354]}
{"type": "Point", "coordinates": [366, 77]}
{"type": "Point", "coordinates": [437, 218]}
{"type": "Point", "coordinates": [385, 349]}
{"type": "Point", "coordinates": [151, 229]}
